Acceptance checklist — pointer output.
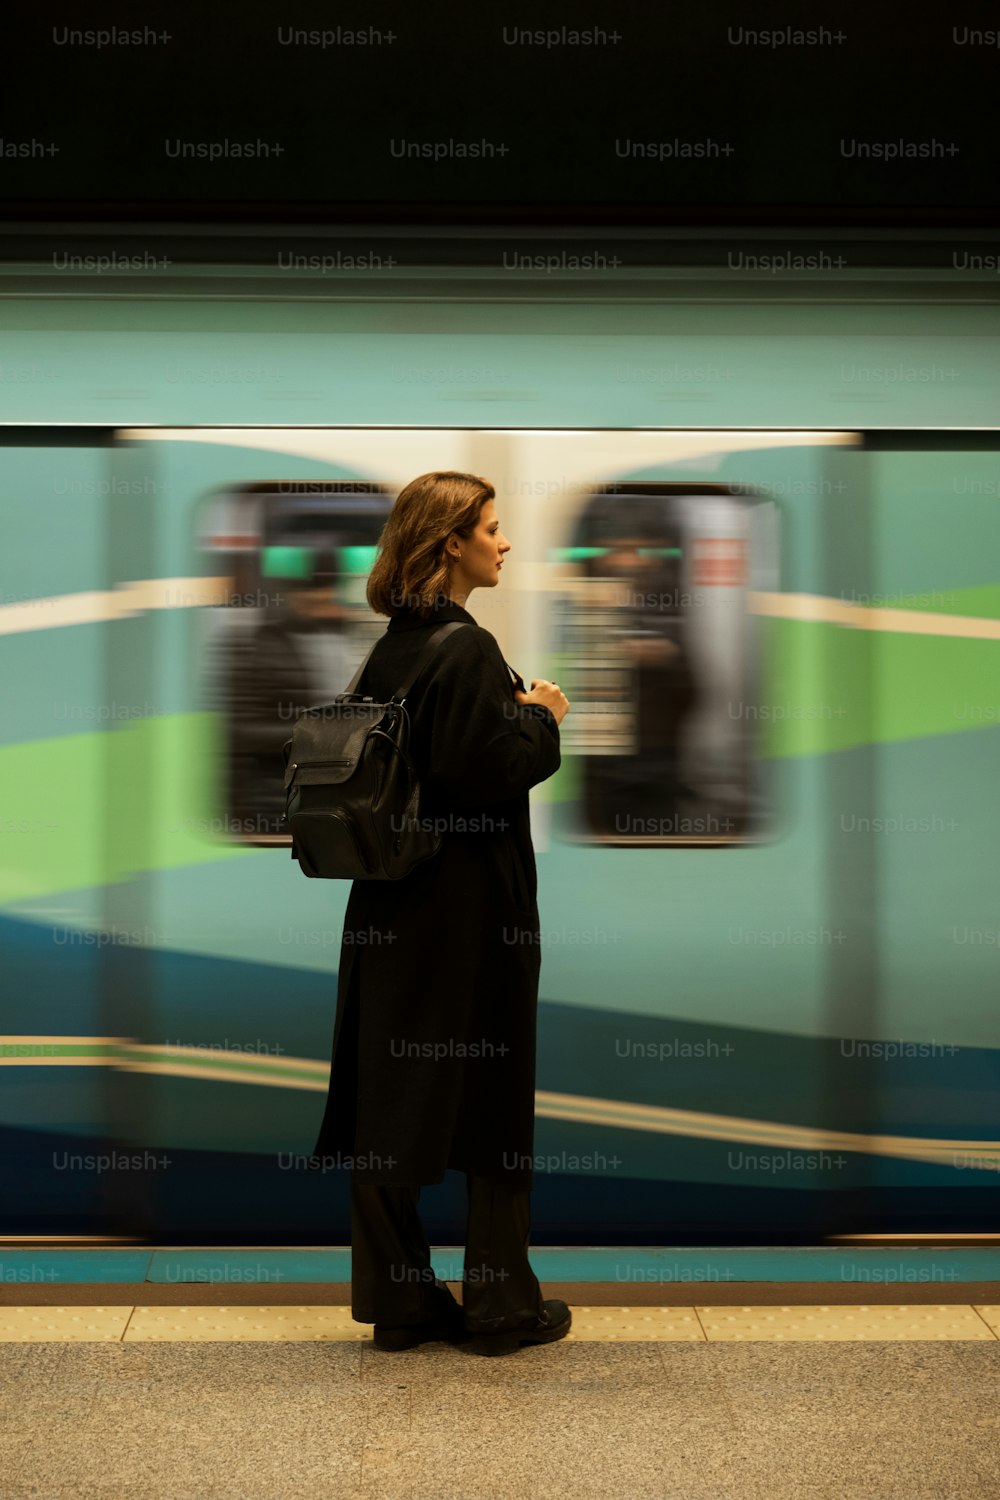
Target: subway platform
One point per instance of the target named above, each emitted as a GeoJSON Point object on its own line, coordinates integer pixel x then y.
{"type": "Point", "coordinates": [689, 1374]}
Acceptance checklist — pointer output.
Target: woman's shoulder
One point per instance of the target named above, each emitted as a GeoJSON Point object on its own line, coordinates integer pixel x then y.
{"type": "Point", "coordinates": [470, 640]}
{"type": "Point", "coordinates": [469, 646]}
{"type": "Point", "coordinates": [473, 649]}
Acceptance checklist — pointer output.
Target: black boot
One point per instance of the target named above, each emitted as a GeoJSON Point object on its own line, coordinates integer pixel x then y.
{"type": "Point", "coordinates": [553, 1323]}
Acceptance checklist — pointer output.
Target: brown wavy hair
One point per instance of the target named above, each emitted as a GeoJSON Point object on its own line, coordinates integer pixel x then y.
{"type": "Point", "coordinates": [411, 568]}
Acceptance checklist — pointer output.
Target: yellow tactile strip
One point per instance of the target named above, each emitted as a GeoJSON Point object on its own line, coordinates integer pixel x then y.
{"type": "Point", "coordinates": [846, 1323]}
{"type": "Point", "coordinates": [628, 1325]}
{"type": "Point", "coordinates": [243, 1324]}
{"type": "Point", "coordinates": [34, 1325]}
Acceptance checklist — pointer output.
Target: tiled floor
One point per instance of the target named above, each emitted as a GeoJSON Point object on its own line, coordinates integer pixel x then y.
{"type": "Point", "coordinates": [637, 1404]}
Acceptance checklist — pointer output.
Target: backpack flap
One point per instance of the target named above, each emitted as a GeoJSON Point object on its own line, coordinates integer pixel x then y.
{"type": "Point", "coordinates": [329, 741]}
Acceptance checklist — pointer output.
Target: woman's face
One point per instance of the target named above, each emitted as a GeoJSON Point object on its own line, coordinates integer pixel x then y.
{"type": "Point", "coordinates": [481, 553]}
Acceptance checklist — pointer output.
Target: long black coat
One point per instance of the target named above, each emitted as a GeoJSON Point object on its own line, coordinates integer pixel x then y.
{"type": "Point", "coordinates": [434, 1038]}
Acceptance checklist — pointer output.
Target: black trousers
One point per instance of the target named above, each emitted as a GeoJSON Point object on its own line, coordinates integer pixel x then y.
{"type": "Point", "coordinates": [392, 1281]}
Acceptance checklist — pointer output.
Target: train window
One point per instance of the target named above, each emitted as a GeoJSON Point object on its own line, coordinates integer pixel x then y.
{"type": "Point", "coordinates": [657, 650]}
{"type": "Point", "coordinates": [293, 629]}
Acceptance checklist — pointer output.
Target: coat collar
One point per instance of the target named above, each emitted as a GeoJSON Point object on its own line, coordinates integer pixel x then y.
{"type": "Point", "coordinates": [445, 609]}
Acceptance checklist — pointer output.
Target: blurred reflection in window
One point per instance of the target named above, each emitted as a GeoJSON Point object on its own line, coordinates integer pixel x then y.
{"type": "Point", "coordinates": [296, 627]}
{"type": "Point", "coordinates": [297, 655]}
{"type": "Point", "coordinates": [658, 648]}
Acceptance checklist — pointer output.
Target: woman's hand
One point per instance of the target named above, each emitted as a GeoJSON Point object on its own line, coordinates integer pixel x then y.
{"type": "Point", "coordinates": [546, 693]}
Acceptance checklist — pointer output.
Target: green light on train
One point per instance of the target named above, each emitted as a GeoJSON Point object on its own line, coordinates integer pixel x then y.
{"type": "Point", "coordinates": [286, 562]}
{"type": "Point", "coordinates": [358, 559]}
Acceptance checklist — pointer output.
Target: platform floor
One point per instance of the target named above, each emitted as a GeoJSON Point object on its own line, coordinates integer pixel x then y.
{"type": "Point", "coordinates": [214, 1402]}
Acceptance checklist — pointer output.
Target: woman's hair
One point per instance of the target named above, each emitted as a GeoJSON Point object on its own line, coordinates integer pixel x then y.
{"type": "Point", "coordinates": [411, 569]}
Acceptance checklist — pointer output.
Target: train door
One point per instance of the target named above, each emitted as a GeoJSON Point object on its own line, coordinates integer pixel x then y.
{"type": "Point", "coordinates": [703, 918]}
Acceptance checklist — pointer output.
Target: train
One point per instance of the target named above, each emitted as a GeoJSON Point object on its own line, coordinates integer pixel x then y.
{"type": "Point", "coordinates": [767, 863]}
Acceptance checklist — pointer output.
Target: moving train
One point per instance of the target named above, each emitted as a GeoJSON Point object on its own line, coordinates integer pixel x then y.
{"type": "Point", "coordinates": [767, 864]}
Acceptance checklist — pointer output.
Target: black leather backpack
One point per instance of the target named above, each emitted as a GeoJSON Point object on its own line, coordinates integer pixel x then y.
{"type": "Point", "coordinates": [352, 795]}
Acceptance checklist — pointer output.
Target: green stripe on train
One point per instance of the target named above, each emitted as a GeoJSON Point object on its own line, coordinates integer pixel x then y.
{"type": "Point", "coordinates": [86, 810]}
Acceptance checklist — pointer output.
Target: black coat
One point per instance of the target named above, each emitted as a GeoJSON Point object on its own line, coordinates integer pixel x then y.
{"type": "Point", "coordinates": [434, 1039]}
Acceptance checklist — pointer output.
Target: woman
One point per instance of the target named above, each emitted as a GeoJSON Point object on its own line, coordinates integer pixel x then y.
{"type": "Point", "coordinates": [434, 1040]}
